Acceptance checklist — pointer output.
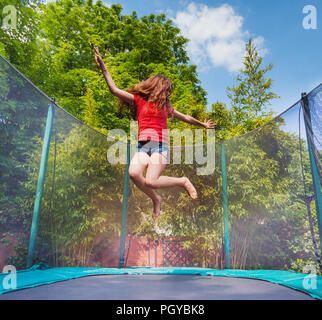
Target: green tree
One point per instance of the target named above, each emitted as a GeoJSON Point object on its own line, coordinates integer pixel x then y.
{"type": "Point", "coordinates": [19, 45]}
{"type": "Point", "coordinates": [252, 94]}
{"type": "Point", "coordinates": [223, 118]}
{"type": "Point", "coordinates": [133, 49]}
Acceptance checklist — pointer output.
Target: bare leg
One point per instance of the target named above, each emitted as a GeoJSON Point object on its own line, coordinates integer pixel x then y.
{"type": "Point", "coordinates": [137, 166]}
{"type": "Point", "coordinates": [154, 179]}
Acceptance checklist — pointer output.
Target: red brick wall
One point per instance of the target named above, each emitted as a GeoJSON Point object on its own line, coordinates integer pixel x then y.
{"type": "Point", "coordinates": [139, 252]}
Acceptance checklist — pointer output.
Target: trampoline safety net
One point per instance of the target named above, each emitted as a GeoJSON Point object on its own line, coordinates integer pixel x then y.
{"type": "Point", "coordinates": [92, 215]}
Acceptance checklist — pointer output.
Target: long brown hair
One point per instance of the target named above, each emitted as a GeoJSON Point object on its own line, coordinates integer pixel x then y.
{"type": "Point", "coordinates": [156, 90]}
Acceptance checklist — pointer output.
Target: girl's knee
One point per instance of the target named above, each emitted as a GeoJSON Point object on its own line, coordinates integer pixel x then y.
{"type": "Point", "coordinates": [150, 183]}
{"type": "Point", "coordinates": [134, 174]}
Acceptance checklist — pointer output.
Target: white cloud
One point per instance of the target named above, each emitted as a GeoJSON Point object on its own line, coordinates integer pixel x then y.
{"type": "Point", "coordinates": [226, 53]}
{"type": "Point", "coordinates": [259, 43]}
{"type": "Point", "coordinates": [216, 35]}
{"type": "Point", "coordinates": [167, 12]}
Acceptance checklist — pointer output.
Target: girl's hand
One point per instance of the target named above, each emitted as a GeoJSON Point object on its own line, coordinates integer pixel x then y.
{"type": "Point", "coordinates": [209, 124]}
{"type": "Point", "coordinates": [98, 59]}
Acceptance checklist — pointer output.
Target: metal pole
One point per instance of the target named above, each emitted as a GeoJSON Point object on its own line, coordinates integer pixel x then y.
{"type": "Point", "coordinates": [314, 170]}
{"type": "Point", "coordinates": [125, 205]}
{"type": "Point", "coordinates": [225, 205]}
{"type": "Point", "coordinates": [40, 185]}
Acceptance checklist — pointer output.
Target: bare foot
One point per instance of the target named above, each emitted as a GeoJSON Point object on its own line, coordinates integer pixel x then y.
{"type": "Point", "coordinates": [190, 188]}
{"type": "Point", "coordinates": [156, 207]}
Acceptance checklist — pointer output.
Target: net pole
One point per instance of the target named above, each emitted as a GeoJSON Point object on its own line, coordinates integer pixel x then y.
{"type": "Point", "coordinates": [225, 205]}
{"type": "Point", "coordinates": [125, 206]}
{"type": "Point", "coordinates": [314, 170]}
{"type": "Point", "coordinates": [40, 185]}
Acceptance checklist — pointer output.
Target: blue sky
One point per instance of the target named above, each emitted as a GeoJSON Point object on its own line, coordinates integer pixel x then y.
{"type": "Point", "coordinates": [218, 29]}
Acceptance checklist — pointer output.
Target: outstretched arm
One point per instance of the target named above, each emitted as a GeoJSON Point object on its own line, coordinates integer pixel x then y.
{"type": "Point", "coordinates": [188, 119]}
{"type": "Point", "coordinates": [124, 95]}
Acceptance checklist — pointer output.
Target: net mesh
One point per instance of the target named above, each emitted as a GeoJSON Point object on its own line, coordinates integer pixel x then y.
{"type": "Point", "coordinates": [82, 203]}
{"type": "Point", "coordinates": [188, 232]}
{"type": "Point", "coordinates": [268, 216]}
{"type": "Point", "coordinates": [315, 107]}
{"type": "Point", "coordinates": [84, 194]}
{"type": "Point", "coordinates": [23, 112]}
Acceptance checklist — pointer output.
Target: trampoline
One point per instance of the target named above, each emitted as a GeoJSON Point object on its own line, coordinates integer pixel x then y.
{"type": "Point", "coordinates": [158, 287]}
{"type": "Point", "coordinates": [75, 227]}
{"type": "Point", "coordinates": [44, 283]}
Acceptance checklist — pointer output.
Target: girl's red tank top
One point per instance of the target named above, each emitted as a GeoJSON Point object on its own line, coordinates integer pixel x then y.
{"type": "Point", "coordinates": [152, 122]}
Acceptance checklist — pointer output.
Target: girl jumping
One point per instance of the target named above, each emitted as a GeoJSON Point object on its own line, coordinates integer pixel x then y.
{"type": "Point", "coordinates": [150, 98]}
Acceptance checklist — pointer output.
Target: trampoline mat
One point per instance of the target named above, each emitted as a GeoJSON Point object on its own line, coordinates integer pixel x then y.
{"type": "Point", "coordinates": [158, 287]}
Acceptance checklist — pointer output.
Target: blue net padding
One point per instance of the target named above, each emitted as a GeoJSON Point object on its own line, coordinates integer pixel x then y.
{"type": "Point", "coordinates": [40, 275]}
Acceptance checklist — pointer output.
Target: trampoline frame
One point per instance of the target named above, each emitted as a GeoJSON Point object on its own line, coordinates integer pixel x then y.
{"type": "Point", "coordinates": [42, 274]}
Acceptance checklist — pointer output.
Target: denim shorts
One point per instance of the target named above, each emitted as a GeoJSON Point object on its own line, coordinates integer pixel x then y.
{"type": "Point", "coordinates": [150, 146]}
